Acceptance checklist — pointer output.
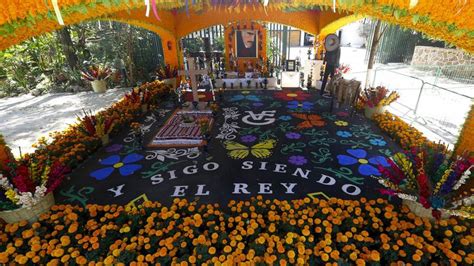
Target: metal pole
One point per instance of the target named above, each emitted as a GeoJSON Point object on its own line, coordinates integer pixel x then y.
{"type": "Point", "coordinates": [419, 97]}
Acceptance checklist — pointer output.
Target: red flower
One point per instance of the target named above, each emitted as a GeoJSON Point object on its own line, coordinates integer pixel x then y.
{"type": "Point", "coordinates": [291, 95]}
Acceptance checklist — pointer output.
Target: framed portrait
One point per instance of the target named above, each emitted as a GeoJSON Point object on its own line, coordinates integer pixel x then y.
{"type": "Point", "coordinates": [290, 65]}
{"type": "Point", "coordinates": [246, 43]}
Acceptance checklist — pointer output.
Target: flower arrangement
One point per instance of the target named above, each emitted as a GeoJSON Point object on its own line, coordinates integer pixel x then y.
{"type": "Point", "coordinates": [403, 133]}
{"type": "Point", "coordinates": [431, 177]}
{"type": "Point", "coordinates": [96, 73]}
{"type": "Point", "coordinates": [166, 72]}
{"type": "Point", "coordinates": [73, 145]}
{"type": "Point", "coordinates": [5, 153]}
{"type": "Point", "coordinates": [203, 123]}
{"type": "Point", "coordinates": [342, 69]}
{"type": "Point", "coordinates": [96, 125]}
{"type": "Point", "coordinates": [25, 182]}
{"type": "Point", "coordinates": [377, 97]}
{"type": "Point", "coordinates": [257, 231]}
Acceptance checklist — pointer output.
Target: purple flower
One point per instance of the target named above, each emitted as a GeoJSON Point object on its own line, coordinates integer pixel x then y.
{"type": "Point", "coordinates": [293, 135]}
{"type": "Point", "coordinates": [248, 138]}
{"type": "Point", "coordinates": [297, 160]}
{"type": "Point", "coordinates": [114, 148]}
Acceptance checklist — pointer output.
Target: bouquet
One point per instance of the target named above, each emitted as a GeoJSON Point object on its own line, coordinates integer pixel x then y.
{"type": "Point", "coordinates": [96, 73]}
{"type": "Point", "coordinates": [166, 72]}
{"type": "Point", "coordinates": [377, 97]}
{"type": "Point", "coordinates": [431, 177]}
{"type": "Point", "coordinates": [95, 125]}
{"type": "Point", "coordinates": [343, 69]}
{"type": "Point", "coordinates": [25, 182]}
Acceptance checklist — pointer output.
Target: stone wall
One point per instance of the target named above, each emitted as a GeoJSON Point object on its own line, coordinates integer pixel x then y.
{"type": "Point", "coordinates": [435, 56]}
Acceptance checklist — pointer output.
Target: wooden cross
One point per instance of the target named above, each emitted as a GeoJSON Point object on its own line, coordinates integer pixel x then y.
{"type": "Point", "coordinates": [192, 72]}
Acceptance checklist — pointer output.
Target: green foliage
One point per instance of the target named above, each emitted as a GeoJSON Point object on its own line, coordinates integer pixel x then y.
{"type": "Point", "coordinates": [25, 65]}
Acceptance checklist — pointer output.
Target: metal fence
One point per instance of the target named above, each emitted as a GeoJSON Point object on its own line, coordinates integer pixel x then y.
{"type": "Point", "coordinates": [433, 105]}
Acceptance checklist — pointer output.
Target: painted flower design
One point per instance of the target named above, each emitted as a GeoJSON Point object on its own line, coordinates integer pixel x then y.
{"type": "Point", "coordinates": [248, 138]}
{"type": "Point", "coordinates": [293, 135]}
{"type": "Point", "coordinates": [257, 104]}
{"type": "Point", "coordinates": [378, 142]}
{"type": "Point", "coordinates": [305, 105]}
{"type": "Point", "coordinates": [367, 167]}
{"type": "Point", "coordinates": [125, 167]}
{"type": "Point", "coordinates": [341, 123]}
{"type": "Point", "coordinates": [285, 117]}
{"type": "Point", "coordinates": [291, 95]}
{"type": "Point", "coordinates": [114, 148]}
{"type": "Point", "coordinates": [241, 97]}
{"type": "Point", "coordinates": [344, 134]}
{"type": "Point", "coordinates": [297, 160]}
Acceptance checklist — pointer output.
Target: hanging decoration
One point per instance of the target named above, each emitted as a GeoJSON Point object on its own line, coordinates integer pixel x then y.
{"type": "Point", "coordinates": [155, 12]}
{"type": "Point", "coordinates": [57, 12]}
{"type": "Point", "coordinates": [147, 4]}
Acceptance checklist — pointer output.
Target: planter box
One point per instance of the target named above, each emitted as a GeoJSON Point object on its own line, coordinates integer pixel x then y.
{"type": "Point", "coordinates": [370, 112]}
{"type": "Point", "coordinates": [30, 214]}
{"type": "Point", "coordinates": [420, 211]}
{"type": "Point", "coordinates": [99, 86]}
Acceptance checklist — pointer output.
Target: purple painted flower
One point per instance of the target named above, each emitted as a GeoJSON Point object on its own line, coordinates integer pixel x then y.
{"type": "Point", "coordinates": [293, 135]}
{"type": "Point", "coordinates": [248, 138]}
{"type": "Point", "coordinates": [258, 104]}
{"type": "Point", "coordinates": [297, 160]}
{"type": "Point", "coordinates": [114, 148]}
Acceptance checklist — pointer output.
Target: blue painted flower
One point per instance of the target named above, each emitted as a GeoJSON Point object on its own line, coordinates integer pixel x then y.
{"type": "Point", "coordinates": [240, 97]}
{"type": "Point", "coordinates": [297, 160]}
{"type": "Point", "coordinates": [378, 142]}
{"type": "Point", "coordinates": [293, 135]}
{"type": "Point", "coordinates": [285, 117]}
{"type": "Point", "coordinates": [307, 106]}
{"type": "Point", "coordinates": [367, 167]}
{"type": "Point", "coordinates": [344, 134]}
{"type": "Point", "coordinates": [126, 167]}
{"type": "Point", "coordinates": [248, 138]}
{"type": "Point", "coordinates": [257, 104]}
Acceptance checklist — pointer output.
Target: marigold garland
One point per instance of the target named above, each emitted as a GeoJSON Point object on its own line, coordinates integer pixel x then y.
{"type": "Point", "coordinates": [407, 136]}
{"type": "Point", "coordinates": [448, 21]}
{"type": "Point", "coordinates": [257, 231]}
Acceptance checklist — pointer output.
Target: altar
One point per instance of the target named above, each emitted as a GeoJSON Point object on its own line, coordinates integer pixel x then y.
{"type": "Point", "coordinates": [237, 83]}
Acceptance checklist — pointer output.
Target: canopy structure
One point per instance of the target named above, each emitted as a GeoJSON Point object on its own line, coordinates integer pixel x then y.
{"type": "Point", "coordinates": [449, 21]}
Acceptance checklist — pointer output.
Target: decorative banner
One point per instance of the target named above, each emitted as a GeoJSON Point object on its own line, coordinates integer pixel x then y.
{"type": "Point", "coordinates": [147, 4]}
{"type": "Point", "coordinates": [57, 12]}
{"type": "Point", "coordinates": [155, 12]}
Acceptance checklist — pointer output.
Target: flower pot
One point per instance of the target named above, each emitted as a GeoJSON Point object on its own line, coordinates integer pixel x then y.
{"type": "Point", "coordinates": [369, 112]}
{"type": "Point", "coordinates": [171, 82]}
{"type": "Point", "coordinates": [99, 86]}
{"type": "Point", "coordinates": [420, 211]}
{"type": "Point", "coordinates": [30, 214]}
{"type": "Point", "coordinates": [105, 140]}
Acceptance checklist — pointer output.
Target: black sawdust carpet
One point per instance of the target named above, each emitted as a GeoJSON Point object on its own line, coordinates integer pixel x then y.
{"type": "Point", "coordinates": [278, 144]}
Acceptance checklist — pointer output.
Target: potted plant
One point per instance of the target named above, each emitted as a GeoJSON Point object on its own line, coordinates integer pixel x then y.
{"type": "Point", "coordinates": [430, 181]}
{"type": "Point", "coordinates": [375, 100]}
{"type": "Point", "coordinates": [28, 187]}
{"type": "Point", "coordinates": [97, 125]}
{"type": "Point", "coordinates": [97, 75]}
{"type": "Point", "coordinates": [168, 75]}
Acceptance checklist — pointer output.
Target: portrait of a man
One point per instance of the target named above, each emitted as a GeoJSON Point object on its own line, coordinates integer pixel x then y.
{"type": "Point", "coordinates": [246, 43]}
